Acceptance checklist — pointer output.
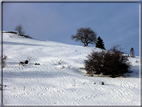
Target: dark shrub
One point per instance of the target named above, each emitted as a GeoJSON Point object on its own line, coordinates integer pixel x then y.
{"type": "Point", "coordinates": [26, 62]}
{"type": "Point", "coordinates": [112, 63]}
{"type": "Point", "coordinates": [27, 36]}
{"type": "Point", "coordinates": [115, 64]}
{"type": "Point", "coordinates": [102, 83]}
{"type": "Point", "coordinates": [94, 63]}
{"type": "Point", "coordinates": [37, 63]}
{"type": "Point", "coordinates": [11, 32]}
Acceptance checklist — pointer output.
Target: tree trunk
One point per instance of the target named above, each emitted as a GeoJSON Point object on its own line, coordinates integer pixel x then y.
{"type": "Point", "coordinates": [85, 44]}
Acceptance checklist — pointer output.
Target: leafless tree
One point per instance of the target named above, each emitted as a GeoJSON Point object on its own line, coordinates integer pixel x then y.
{"type": "Point", "coordinates": [85, 35]}
{"type": "Point", "coordinates": [19, 29]}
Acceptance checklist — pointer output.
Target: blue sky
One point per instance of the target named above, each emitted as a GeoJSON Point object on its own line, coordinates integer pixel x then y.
{"type": "Point", "coordinates": [115, 23]}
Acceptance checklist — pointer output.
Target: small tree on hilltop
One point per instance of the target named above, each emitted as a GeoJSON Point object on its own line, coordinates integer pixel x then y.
{"type": "Point", "coordinates": [132, 52]}
{"type": "Point", "coordinates": [19, 29]}
{"type": "Point", "coordinates": [85, 35]}
{"type": "Point", "coordinates": [100, 43]}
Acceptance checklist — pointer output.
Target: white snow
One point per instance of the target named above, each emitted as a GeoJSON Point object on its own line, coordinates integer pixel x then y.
{"type": "Point", "coordinates": [58, 80]}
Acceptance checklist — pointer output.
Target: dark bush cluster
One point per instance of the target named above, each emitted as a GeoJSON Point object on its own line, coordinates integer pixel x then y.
{"type": "Point", "coordinates": [26, 61]}
{"type": "Point", "coordinates": [11, 32]}
{"type": "Point", "coordinates": [112, 63]}
{"type": "Point", "coordinates": [26, 36]}
{"type": "Point", "coordinates": [37, 63]}
{"type": "Point", "coordinates": [23, 63]}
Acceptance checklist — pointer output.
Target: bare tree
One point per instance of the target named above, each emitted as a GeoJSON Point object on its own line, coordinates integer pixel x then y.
{"type": "Point", "coordinates": [85, 35]}
{"type": "Point", "coordinates": [132, 52]}
{"type": "Point", "coordinates": [19, 29]}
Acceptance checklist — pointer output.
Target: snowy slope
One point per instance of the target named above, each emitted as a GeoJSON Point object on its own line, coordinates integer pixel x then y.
{"type": "Point", "coordinates": [58, 79]}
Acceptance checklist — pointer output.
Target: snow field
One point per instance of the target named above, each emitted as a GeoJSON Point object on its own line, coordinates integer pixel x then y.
{"type": "Point", "coordinates": [58, 80]}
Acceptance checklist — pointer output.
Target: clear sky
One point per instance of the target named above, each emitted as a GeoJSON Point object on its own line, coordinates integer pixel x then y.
{"type": "Point", "coordinates": [115, 23]}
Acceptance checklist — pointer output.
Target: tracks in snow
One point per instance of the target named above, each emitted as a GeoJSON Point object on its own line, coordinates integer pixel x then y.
{"type": "Point", "coordinates": [49, 83]}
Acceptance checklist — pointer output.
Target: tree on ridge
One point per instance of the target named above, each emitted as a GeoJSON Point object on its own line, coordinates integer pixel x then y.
{"type": "Point", "coordinates": [85, 35]}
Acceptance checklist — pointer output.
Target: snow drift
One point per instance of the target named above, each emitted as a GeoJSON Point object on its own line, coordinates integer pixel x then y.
{"type": "Point", "coordinates": [58, 79]}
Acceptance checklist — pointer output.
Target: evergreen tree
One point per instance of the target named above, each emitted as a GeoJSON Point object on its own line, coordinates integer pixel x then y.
{"type": "Point", "coordinates": [100, 43]}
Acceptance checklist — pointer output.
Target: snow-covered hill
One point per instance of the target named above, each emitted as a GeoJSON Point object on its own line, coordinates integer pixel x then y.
{"type": "Point", "coordinates": [58, 80]}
